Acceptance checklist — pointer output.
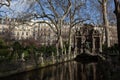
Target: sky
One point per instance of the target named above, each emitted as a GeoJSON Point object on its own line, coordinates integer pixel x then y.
{"type": "Point", "coordinates": [18, 7]}
{"type": "Point", "coordinates": [95, 11]}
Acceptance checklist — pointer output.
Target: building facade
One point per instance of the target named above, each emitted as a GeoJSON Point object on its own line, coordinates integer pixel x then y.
{"type": "Point", "coordinates": [44, 34]}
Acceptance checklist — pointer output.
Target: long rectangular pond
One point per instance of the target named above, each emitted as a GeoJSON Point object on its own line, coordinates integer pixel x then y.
{"type": "Point", "coordinates": [71, 71]}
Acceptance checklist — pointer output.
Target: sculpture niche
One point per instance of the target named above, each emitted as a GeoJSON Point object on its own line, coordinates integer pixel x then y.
{"type": "Point", "coordinates": [88, 43]}
{"type": "Point", "coordinates": [88, 39]}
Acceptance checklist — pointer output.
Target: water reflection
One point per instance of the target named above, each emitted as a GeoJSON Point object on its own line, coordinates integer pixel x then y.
{"type": "Point", "coordinates": [68, 71]}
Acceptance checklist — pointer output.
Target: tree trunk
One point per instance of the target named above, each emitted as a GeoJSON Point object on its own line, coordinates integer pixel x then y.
{"type": "Point", "coordinates": [60, 40]}
{"type": "Point", "coordinates": [117, 13]}
{"type": "Point", "coordinates": [69, 42]}
{"type": "Point", "coordinates": [118, 29]}
{"type": "Point", "coordinates": [60, 35]}
{"type": "Point", "coordinates": [106, 23]}
{"type": "Point", "coordinates": [61, 43]}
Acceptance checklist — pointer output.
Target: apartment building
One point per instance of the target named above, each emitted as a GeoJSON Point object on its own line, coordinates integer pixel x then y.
{"type": "Point", "coordinates": [43, 33]}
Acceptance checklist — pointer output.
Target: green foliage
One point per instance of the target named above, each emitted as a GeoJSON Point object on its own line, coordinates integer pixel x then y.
{"type": "Point", "coordinates": [104, 47]}
{"type": "Point", "coordinates": [31, 51]}
{"type": "Point", "coordinates": [26, 54]}
{"type": "Point", "coordinates": [15, 51]}
{"type": "Point", "coordinates": [115, 47]}
{"type": "Point", "coordinates": [16, 46]}
{"type": "Point", "coordinates": [66, 46]}
{"type": "Point", "coordinates": [42, 49]}
{"type": "Point", "coordinates": [113, 50]}
{"type": "Point", "coordinates": [2, 44]}
{"type": "Point", "coordinates": [47, 50]}
{"type": "Point", "coordinates": [4, 55]}
{"type": "Point", "coordinates": [4, 51]}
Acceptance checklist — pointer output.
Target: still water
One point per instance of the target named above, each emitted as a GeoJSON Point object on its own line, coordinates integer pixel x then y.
{"type": "Point", "coordinates": [71, 71]}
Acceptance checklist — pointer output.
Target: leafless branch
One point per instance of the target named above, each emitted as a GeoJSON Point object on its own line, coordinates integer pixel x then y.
{"type": "Point", "coordinates": [52, 7]}
{"type": "Point", "coordinates": [100, 2]}
{"type": "Point", "coordinates": [48, 23]}
{"type": "Point", "coordinates": [77, 21]}
{"type": "Point", "coordinates": [5, 2]}
{"type": "Point", "coordinates": [67, 10]}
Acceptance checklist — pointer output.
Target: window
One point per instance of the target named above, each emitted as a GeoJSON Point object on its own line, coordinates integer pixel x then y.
{"type": "Point", "coordinates": [17, 33]}
{"type": "Point", "coordinates": [44, 30]}
{"type": "Point", "coordinates": [22, 33]}
{"type": "Point", "coordinates": [26, 33]}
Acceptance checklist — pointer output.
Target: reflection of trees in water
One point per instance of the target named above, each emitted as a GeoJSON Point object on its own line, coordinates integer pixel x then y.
{"type": "Point", "coordinates": [103, 71]}
{"type": "Point", "coordinates": [86, 71]}
{"type": "Point", "coordinates": [69, 71]}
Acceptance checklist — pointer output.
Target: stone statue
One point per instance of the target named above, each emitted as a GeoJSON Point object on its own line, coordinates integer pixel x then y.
{"type": "Point", "coordinates": [86, 47]}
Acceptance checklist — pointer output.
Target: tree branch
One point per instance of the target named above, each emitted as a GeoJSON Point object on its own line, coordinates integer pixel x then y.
{"type": "Point", "coordinates": [77, 21]}
{"type": "Point", "coordinates": [53, 9]}
{"type": "Point", "coordinates": [6, 4]}
{"type": "Point", "coordinates": [67, 11]}
{"type": "Point", "coordinates": [48, 23]}
{"type": "Point", "coordinates": [100, 2]}
{"type": "Point", "coordinates": [44, 15]}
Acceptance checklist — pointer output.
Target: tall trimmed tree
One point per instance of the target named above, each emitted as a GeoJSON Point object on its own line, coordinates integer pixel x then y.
{"type": "Point", "coordinates": [117, 13]}
{"type": "Point", "coordinates": [105, 21]}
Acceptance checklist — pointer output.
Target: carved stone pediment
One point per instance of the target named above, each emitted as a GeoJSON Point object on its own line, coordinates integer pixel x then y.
{"type": "Point", "coordinates": [96, 33]}
{"type": "Point", "coordinates": [90, 36]}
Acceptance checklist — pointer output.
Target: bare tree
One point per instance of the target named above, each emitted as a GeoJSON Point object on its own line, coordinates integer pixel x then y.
{"type": "Point", "coordinates": [7, 33]}
{"type": "Point", "coordinates": [105, 21]}
{"type": "Point", "coordinates": [73, 20]}
{"type": "Point", "coordinates": [58, 11]}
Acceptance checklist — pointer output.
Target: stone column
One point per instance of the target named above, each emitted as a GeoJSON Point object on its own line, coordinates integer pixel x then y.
{"type": "Point", "coordinates": [41, 59]}
{"type": "Point", "coordinates": [82, 41]}
{"type": "Point", "coordinates": [22, 57]}
{"type": "Point", "coordinates": [53, 58]}
{"type": "Point", "coordinates": [75, 43]}
{"type": "Point", "coordinates": [93, 44]}
{"type": "Point", "coordinates": [100, 49]}
{"type": "Point", "coordinates": [65, 58]}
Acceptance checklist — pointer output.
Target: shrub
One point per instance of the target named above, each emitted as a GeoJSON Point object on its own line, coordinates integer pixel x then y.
{"type": "Point", "coordinates": [4, 51]}
{"type": "Point", "coordinates": [47, 50]}
{"type": "Point", "coordinates": [4, 54]}
{"type": "Point", "coordinates": [113, 50]}
{"type": "Point", "coordinates": [26, 54]}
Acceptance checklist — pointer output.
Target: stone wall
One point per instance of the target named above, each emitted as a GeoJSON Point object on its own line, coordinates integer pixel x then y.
{"type": "Point", "coordinates": [22, 66]}
{"type": "Point", "coordinates": [113, 35]}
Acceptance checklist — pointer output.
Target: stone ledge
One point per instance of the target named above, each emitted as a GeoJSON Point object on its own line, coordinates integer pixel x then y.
{"type": "Point", "coordinates": [32, 67]}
